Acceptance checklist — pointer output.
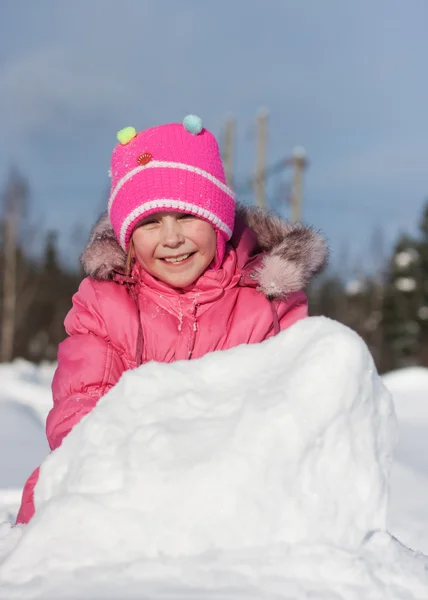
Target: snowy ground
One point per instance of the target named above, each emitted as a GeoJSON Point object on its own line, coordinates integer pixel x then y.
{"type": "Point", "coordinates": [409, 483]}
{"type": "Point", "coordinates": [260, 472]}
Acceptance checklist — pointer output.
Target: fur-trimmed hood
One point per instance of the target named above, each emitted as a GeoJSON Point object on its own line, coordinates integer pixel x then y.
{"type": "Point", "coordinates": [291, 253]}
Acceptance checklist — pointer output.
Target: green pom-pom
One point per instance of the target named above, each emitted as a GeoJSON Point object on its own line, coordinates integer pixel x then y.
{"type": "Point", "coordinates": [126, 134]}
{"type": "Point", "coordinates": [192, 124]}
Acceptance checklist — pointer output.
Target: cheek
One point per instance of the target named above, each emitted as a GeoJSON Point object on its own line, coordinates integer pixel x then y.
{"type": "Point", "coordinates": [212, 244]}
{"type": "Point", "coordinates": [141, 256]}
{"type": "Point", "coordinates": [207, 239]}
{"type": "Point", "coordinates": [143, 246]}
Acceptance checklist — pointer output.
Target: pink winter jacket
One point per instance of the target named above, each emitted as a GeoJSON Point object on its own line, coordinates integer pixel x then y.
{"type": "Point", "coordinates": [117, 323]}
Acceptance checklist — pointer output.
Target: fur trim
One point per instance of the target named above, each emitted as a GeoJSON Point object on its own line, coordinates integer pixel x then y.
{"type": "Point", "coordinates": [103, 256]}
{"type": "Point", "coordinates": [293, 252]}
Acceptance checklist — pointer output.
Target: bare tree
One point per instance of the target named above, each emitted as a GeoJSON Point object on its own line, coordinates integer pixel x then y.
{"type": "Point", "coordinates": [14, 204]}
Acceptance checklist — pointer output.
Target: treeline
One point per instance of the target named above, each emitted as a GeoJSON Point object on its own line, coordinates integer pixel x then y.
{"type": "Point", "coordinates": [388, 308]}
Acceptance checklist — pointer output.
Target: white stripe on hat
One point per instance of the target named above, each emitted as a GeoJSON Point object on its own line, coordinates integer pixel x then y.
{"type": "Point", "coordinates": [162, 164]}
{"type": "Point", "coordinates": [177, 204]}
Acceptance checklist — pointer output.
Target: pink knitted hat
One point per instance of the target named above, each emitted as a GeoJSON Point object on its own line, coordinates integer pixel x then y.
{"type": "Point", "coordinates": [175, 167]}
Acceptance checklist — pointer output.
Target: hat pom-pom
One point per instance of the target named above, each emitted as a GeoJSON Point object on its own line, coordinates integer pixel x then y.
{"type": "Point", "coordinates": [126, 134]}
{"type": "Point", "coordinates": [192, 124]}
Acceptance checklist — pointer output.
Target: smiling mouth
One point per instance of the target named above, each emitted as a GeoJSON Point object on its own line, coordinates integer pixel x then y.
{"type": "Point", "coordinates": [178, 259]}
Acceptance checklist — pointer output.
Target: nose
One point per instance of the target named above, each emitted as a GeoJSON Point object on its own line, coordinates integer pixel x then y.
{"type": "Point", "coordinates": [171, 234]}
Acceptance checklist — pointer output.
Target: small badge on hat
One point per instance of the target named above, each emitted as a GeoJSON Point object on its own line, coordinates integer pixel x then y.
{"type": "Point", "coordinates": [144, 158]}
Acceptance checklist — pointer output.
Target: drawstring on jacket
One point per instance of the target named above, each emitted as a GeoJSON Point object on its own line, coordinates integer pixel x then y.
{"type": "Point", "coordinates": [130, 283]}
{"type": "Point", "coordinates": [275, 318]}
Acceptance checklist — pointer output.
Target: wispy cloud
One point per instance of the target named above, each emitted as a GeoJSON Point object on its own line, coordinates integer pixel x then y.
{"type": "Point", "coordinates": [42, 88]}
{"type": "Point", "coordinates": [346, 80]}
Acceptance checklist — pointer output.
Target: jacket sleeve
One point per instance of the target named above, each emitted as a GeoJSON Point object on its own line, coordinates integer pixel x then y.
{"type": "Point", "coordinates": [88, 365]}
{"type": "Point", "coordinates": [294, 308]}
{"type": "Point", "coordinates": [26, 510]}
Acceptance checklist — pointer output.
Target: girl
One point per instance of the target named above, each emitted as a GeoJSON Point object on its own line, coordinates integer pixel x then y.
{"type": "Point", "coordinates": [172, 274]}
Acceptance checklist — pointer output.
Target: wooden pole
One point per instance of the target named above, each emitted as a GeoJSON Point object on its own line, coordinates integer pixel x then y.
{"type": "Point", "coordinates": [13, 206]}
{"type": "Point", "coordinates": [228, 151]}
{"type": "Point", "coordinates": [9, 288]}
{"type": "Point", "coordinates": [260, 172]}
{"type": "Point", "coordinates": [299, 163]}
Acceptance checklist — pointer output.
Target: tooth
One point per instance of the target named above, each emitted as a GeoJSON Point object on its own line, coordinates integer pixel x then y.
{"type": "Point", "coordinates": [178, 259]}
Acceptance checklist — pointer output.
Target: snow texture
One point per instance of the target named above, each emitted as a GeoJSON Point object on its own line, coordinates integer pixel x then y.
{"type": "Point", "coordinates": [257, 472]}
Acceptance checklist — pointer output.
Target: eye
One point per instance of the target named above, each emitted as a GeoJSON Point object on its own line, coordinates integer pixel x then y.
{"type": "Point", "coordinates": [149, 223]}
{"type": "Point", "coordinates": [186, 216]}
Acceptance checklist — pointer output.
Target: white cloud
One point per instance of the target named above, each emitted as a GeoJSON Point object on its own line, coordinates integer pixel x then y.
{"type": "Point", "coordinates": [344, 81]}
{"type": "Point", "coordinates": [39, 90]}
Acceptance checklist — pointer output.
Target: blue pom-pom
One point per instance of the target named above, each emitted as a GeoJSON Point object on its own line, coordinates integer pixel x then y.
{"type": "Point", "coordinates": [192, 124]}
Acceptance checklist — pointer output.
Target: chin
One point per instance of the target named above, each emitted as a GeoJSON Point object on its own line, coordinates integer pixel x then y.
{"type": "Point", "coordinates": [180, 283]}
{"type": "Point", "coordinates": [180, 280]}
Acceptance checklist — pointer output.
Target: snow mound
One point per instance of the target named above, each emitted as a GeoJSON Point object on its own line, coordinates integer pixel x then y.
{"type": "Point", "coordinates": [409, 388]}
{"type": "Point", "coordinates": [25, 399]}
{"type": "Point", "coordinates": [409, 480]}
{"type": "Point", "coordinates": [263, 469]}
{"type": "Point", "coordinates": [19, 427]}
{"type": "Point", "coordinates": [25, 383]}
{"type": "Point", "coordinates": [411, 379]}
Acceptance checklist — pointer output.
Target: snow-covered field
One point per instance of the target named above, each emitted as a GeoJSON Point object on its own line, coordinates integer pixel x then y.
{"type": "Point", "coordinates": [260, 472]}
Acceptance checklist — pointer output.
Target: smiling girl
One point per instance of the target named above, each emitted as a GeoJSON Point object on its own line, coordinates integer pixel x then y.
{"type": "Point", "coordinates": [174, 270]}
{"type": "Point", "coordinates": [174, 247]}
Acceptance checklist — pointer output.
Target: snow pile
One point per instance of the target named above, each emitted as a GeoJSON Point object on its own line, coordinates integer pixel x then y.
{"type": "Point", "coordinates": [28, 384]}
{"type": "Point", "coordinates": [19, 426]}
{"type": "Point", "coordinates": [260, 470]}
{"type": "Point", "coordinates": [409, 502]}
{"type": "Point", "coordinates": [410, 390]}
{"type": "Point", "coordinates": [25, 399]}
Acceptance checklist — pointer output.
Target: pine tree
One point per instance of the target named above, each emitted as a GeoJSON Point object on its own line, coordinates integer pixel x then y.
{"type": "Point", "coordinates": [44, 328]}
{"type": "Point", "coordinates": [422, 316]}
{"type": "Point", "coordinates": [14, 202]}
{"type": "Point", "coordinates": [401, 306]}
{"type": "Point", "coordinates": [326, 297]}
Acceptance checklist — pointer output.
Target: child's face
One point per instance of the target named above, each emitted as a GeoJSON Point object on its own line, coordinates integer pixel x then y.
{"type": "Point", "coordinates": [175, 247]}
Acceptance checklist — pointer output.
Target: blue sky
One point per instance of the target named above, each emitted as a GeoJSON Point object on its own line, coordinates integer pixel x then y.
{"type": "Point", "coordinates": [346, 80]}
